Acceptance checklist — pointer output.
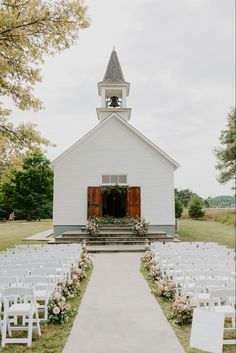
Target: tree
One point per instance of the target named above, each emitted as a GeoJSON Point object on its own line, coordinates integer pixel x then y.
{"type": "Point", "coordinates": [179, 207]}
{"type": "Point", "coordinates": [16, 140]}
{"type": "Point", "coordinates": [184, 196]}
{"type": "Point", "coordinates": [195, 207]}
{"type": "Point", "coordinates": [29, 30]}
{"type": "Point", "coordinates": [29, 192]}
{"type": "Point", "coordinates": [226, 155]}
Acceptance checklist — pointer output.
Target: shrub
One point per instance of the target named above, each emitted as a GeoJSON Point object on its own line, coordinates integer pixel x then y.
{"type": "Point", "coordinates": [195, 208]}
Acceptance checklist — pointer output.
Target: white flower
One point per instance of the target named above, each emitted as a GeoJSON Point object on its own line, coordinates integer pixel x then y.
{"type": "Point", "coordinates": [70, 282]}
{"type": "Point", "coordinates": [56, 310]}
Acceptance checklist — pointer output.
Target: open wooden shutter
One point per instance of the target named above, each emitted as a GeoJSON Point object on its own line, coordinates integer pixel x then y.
{"type": "Point", "coordinates": [94, 202]}
{"type": "Point", "coordinates": [134, 201]}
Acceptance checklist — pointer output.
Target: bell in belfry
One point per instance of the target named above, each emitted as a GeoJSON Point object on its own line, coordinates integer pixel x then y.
{"type": "Point", "coordinates": [114, 102]}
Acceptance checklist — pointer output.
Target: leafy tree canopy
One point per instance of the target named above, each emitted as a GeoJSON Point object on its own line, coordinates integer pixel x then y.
{"type": "Point", "coordinates": [226, 154]}
{"type": "Point", "coordinates": [29, 192]}
{"type": "Point", "coordinates": [30, 29]}
{"type": "Point", "coordinates": [186, 195]}
{"type": "Point", "coordinates": [15, 141]}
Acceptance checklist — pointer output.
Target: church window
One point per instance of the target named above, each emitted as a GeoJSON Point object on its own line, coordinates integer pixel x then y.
{"type": "Point", "coordinates": [114, 179]}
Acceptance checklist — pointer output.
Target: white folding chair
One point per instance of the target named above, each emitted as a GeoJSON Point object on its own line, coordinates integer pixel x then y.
{"type": "Point", "coordinates": [223, 301]}
{"type": "Point", "coordinates": [19, 302]}
{"type": "Point", "coordinates": [42, 291]}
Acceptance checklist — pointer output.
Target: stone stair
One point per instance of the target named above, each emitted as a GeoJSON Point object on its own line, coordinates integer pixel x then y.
{"type": "Point", "coordinates": [112, 236]}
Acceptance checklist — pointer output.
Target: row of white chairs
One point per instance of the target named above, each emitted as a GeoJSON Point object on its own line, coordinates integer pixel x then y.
{"type": "Point", "coordinates": [204, 273]}
{"type": "Point", "coordinates": [28, 276]}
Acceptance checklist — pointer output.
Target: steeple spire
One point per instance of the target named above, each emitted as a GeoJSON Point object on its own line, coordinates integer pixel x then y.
{"type": "Point", "coordinates": [114, 72]}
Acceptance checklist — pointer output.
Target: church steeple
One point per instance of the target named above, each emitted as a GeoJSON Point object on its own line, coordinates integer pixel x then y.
{"type": "Point", "coordinates": [113, 72]}
{"type": "Point", "coordinates": [113, 90]}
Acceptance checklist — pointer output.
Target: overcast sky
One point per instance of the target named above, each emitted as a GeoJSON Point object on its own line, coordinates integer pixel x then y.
{"type": "Point", "coordinates": [178, 56]}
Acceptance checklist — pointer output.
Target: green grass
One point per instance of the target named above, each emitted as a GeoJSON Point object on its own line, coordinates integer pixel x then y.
{"type": "Point", "coordinates": [53, 337]}
{"type": "Point", "coordinates": [12, 233]}
{"type": "Point", "coordinates": [205, 230]}
{"type": "Point", "coordinates": [182, 332]}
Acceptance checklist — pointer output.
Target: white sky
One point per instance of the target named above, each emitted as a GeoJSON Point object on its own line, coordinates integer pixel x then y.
{"type": "Point", "coordinates": [178, 57]}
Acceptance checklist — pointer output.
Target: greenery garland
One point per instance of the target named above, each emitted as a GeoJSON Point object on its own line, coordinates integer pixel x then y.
{"type": "Point", "coordinates": [121, 189]}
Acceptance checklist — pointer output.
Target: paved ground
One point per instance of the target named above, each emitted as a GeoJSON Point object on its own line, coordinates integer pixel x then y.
{"type": "Point", "coordinates": [118, 313]}
{"type": "Point", "coordinates": [43, 236]}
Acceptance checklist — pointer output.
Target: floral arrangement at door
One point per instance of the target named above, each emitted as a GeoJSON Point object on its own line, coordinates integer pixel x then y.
{"type": "Point", "coordinates": [139, 225]}
{"type": "Point", "coordinates": [59, 310]}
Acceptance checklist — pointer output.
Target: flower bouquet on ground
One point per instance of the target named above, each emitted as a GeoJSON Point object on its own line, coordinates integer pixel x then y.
{"type": "Point", "coordinates": [70, 288]}
{"type": "Point", "coordinates": [155, 273]}
{"type": "Point", "coordinates": [165, 289]}
{"type": "Point", "coordinates": [59, 311]}
{"type": "Point", "coordinates": [181, 311]}
{"type": "Point", "coordinates": [85, 262]}
{"type": "Point", "coordinates": [148, 260]}
{"type": "Point", "coordinates": [77, 273]}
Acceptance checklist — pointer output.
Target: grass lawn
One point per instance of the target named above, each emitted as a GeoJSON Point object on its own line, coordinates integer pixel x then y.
{"type": "Point", "coordinates": [205, 230]}
{"type": "Point", "coordinates": [53, 337]}
{"type": "Point", "coordinates": [12, 233]}
{"type": "Point", "coordinates": [182, 332]}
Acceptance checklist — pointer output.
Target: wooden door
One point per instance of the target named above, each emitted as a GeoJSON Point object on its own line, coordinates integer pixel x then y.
{"type": "Point", "coordinates": [94, 202]}
{"type": "Point", "coordinates": [134, 202]}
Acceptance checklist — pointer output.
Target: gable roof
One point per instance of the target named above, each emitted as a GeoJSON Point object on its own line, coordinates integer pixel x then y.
{"type": "Point", "coordinates": [138, 133]}
{"type": "Point", "coordinates": [113, 74]}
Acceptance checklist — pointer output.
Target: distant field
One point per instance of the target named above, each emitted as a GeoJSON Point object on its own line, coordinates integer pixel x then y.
{"type": "Point", "coordinates": [207, 230]}
{"type": "Point", "coordinates": [12, 233]}
{"type": "Point", "coordinates": [222, 215]}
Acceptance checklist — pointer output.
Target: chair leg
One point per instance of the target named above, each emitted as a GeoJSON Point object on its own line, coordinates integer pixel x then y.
{"type": "Point", "coordinates": [46, 310]}
{"type": "Point", "coordinates": [30, 330]}
{"type": "Point", "coordinates": [37, 322]}
{"type": "Point", "coordinates": [4, 331]}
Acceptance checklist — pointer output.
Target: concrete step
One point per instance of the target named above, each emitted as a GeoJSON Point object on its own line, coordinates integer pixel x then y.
{"type": "Point", "coordinates": [83, 235]}
{"type": "Point", "coordinates": [121, 238]}
{"type": "Point", "coordinates": [110, 241]}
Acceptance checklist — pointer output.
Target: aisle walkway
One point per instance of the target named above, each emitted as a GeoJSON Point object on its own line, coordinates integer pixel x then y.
{"type": "Point", "coordinates": [118, 313]}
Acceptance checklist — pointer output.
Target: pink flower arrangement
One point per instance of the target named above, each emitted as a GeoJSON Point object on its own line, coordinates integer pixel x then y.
{"type": "Point", "coordinates": [166, 289]}
{"type": "Point", "coordinates": [181, 311]}
{"type": "Point", "coordinates": [59, 311]}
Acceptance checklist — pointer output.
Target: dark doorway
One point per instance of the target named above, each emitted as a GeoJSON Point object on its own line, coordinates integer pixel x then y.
{"type": "Point", "coordinates": [114, 204]}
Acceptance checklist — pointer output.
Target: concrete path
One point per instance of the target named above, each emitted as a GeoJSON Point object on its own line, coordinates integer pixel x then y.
{"type": "Point", "coordinates": [118, 313]}
{"type": "Point", "coordinates": [42, 236]}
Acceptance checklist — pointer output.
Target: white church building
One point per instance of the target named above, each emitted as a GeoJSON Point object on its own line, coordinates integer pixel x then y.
{"type": "Point", "coordinates": [113, 153]}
